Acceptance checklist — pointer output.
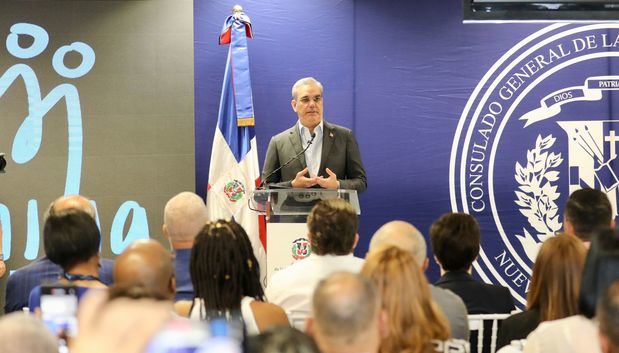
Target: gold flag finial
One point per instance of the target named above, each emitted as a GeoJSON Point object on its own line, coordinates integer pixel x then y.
{"type": "Point", "coordinates": [237, 9]}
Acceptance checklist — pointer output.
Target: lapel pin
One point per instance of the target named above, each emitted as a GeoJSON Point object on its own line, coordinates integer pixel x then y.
{"type": "Point", "coordinates": [331, 135]}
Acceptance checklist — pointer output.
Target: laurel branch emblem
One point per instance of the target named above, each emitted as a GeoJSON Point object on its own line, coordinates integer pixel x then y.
{"type": "Point", "coordinates": [536, 194]}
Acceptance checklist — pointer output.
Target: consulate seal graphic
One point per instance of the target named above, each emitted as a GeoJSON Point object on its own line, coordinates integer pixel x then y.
{"type": "Point", "coordinates": [539, 125]}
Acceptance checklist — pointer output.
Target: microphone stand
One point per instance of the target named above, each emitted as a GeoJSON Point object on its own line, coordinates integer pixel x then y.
{"type": "Point", "coordinates": [264, 182]}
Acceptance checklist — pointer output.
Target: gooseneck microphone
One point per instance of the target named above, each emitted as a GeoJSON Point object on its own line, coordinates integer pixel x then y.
{"type": "Point", "coordinates": [309, 143]}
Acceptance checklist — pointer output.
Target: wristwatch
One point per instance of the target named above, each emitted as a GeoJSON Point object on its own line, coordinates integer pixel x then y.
{"type": "Point", "coordinates": [1, 256]}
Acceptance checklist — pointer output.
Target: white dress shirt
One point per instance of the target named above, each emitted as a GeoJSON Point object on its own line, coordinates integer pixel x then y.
{"type": "Point", "coordinates": [292, 288]}
{"type": "Point", "coordinates": [313, 154]}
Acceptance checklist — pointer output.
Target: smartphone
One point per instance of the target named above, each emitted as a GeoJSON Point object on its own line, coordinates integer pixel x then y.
{"type": "Point", "coordinates": [59, 309]}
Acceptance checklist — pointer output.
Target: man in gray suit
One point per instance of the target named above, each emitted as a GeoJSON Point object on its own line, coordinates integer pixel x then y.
{"type": "Point", "coordinates": [331, 160]}
{"type": "Point", "coordinates": [406, 237]}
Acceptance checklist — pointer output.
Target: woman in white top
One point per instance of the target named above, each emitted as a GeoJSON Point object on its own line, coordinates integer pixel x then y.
{"type": "Point", "coordinates": [226, 279]}
{"type": "Point", "coordinates": [579, 333]}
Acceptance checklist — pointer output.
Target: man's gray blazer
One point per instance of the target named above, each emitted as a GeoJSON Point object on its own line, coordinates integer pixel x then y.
{"type": "Point", "coordinates": [454, 309]}
{"type": "Point", "coordinates": [340, 153]}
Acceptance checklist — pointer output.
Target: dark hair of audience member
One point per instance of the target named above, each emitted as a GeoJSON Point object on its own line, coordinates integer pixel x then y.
{"type": "Point", "coordinates": [557, 274]}
{"type": "Point", "coordinates": [588, 210]}
{"type": "Point", "coordinates": [601, 269]}
{"type": "Point", "coordinates": [281, 339]}
{"type": "Point", "coordinates": [223, 267]}
{"type": "Point", "coordinates": [332, 225]}
{"type": "Point", "coordinates": [455, 240]}
{"type": "Point", "coordinates": [607, 313]}
{"type": "Point", "coordinates": [414, 320]}
{"type": "Point", "coordinates": [70, 237]}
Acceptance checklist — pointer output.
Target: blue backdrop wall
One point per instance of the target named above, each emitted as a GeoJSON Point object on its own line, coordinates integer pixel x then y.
{"type": "Point", "coordinates": [437, 108]}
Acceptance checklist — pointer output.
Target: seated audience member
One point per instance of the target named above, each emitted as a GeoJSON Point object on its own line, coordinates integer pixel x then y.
{"type": "Point", "coordinates": [608, 318]}
{"type": "Point", "coordinates": [554, 289]}
{"type": "Point", "coordinates": [405, 236]}
{"type": "Point", "coordinates": [414, 321]}
{"type": "Point", "coordinates": [332, 226]}
{"type": "Point", "coordinates": [579, 333]}
{"type": "Point", "coordinates": [120, 325]}
{"type": "Point", "coordinates": [71, 240]}
{"type": "Point", "coordinates": [587, 211]}
{"type": "Point", "coordinates": [24, 333]}
{"type": "Point", "coordinates": [455, 239]}
{"type": "Point", "coordinates": [346, 315]}
{"type": "Point", "coordinates": [226, 279]}
{"type": "Point", "coordinates": [23, 280]}
{"type": "Point", "coordinates": [281, 339]}
{"type": "Point", "coordinates": [147, 264]}
{"type": "Point", "coordinates": [183, 217]}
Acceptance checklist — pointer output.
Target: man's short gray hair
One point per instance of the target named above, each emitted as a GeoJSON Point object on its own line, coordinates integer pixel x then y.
{"type": "Point", "coordinates": [21, 332]}
{"type": "Point", "coordinates": [402, 235]}
{"type": "Point", "coordinates": [184, 216]}
{"type": "Point", "coordinates": [305, 81]}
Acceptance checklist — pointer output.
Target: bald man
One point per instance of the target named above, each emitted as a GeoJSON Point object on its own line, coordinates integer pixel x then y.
{"type": "Point", "coordinates": [346, 315]}
{"type": "Point", "coordinates": [183, 218]}
{"type": "Point", "coordinates": [21, 333]}
{"type": "Point", "coordinates": [148, 264]}
{"type": "Point", "coordinates": [406, 237]}
{"type": "Point", "coordinates": [23, 280]}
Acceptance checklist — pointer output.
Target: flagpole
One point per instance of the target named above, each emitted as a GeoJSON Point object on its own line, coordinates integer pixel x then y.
{"type": "Point", "coordinates": [234, 172]}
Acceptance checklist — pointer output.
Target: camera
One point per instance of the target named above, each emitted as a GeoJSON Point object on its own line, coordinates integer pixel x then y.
{"type": "Point", "coordinates": [2, 162]}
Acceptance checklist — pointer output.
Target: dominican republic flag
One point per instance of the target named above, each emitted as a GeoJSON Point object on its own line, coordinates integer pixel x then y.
{"type": "Point", "coordinates": [234, 171]}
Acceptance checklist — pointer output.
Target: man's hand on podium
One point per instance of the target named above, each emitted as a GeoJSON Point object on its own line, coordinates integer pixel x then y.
{"type": "Point", "coordinates": [329, 183]}
{"type": "Point", "coordinates": [301, 181]}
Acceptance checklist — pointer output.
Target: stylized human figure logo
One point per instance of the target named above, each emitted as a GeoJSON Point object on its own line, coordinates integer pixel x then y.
{"type": "Point", "coordinates": [29, 135]}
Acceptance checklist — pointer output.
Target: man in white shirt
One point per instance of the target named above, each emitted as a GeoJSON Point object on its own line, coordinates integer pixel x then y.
{"type": "Point", "coordinates": [332, 226]}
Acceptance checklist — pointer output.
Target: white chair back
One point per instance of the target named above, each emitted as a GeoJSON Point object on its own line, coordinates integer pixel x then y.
{"type": "Point", "coordinates": [298, 319]}
{"type": "Point", "coordinates": [476, 323]}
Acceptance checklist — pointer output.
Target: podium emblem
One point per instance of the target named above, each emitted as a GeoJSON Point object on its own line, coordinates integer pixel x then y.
{"type": "Point", "coordinates": [301, 248]}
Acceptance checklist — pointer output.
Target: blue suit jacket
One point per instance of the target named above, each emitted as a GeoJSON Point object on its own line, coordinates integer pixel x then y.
{"type": "Point", "coordinates": [23, 280]}
{"type": "Point", "coordinates": [184, 287]}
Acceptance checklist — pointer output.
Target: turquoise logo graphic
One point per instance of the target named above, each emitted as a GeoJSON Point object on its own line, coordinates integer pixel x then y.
{"type": "Point", "coordinates": [28, 138]}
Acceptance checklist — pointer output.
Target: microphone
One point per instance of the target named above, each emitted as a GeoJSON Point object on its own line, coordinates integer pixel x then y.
{"type": "Point", "coordinates": [309, 143]}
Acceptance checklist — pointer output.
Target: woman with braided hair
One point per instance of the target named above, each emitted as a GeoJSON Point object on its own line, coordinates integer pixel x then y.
{"type": "Point", "coordinates": [226, 279]}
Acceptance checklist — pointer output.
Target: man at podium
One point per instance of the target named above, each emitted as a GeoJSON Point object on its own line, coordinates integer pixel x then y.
{"type": "Point", "coordinates": [313, 152]}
